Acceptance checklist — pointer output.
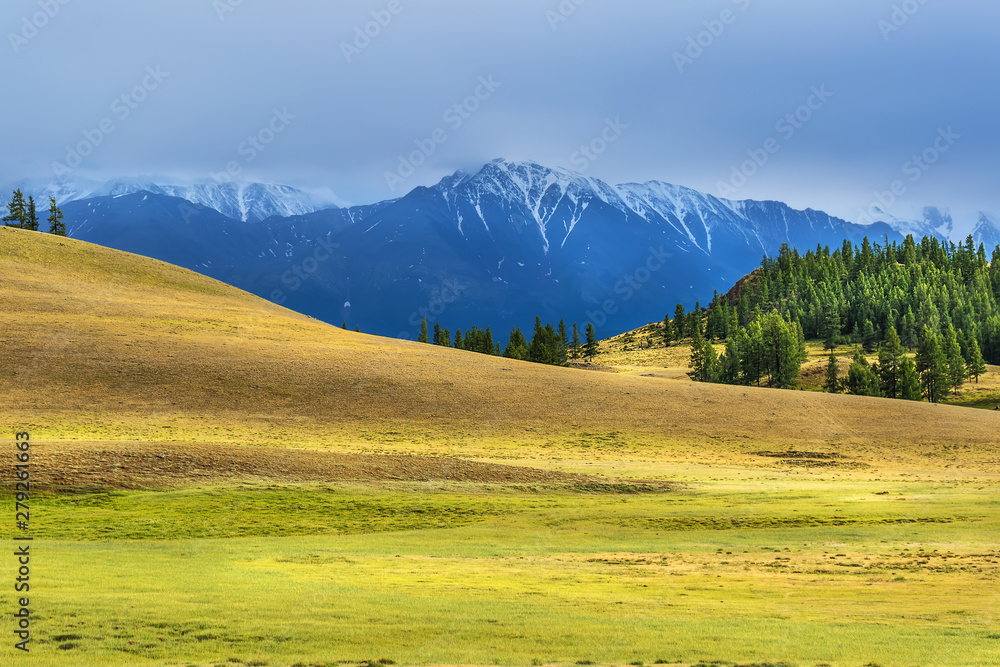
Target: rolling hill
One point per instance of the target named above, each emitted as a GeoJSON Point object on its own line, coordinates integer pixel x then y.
{"type": "Point", "coordinates": [103, 345]}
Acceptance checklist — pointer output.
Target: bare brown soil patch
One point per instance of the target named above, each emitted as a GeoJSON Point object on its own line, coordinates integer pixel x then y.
{"type": "Point", "coordinates": [141, 465]}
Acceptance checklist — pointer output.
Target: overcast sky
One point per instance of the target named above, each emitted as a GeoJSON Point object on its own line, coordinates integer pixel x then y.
{"type": "Point", "coordinates": [677, 91]}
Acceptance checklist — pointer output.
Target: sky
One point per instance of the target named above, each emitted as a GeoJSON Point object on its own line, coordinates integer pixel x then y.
{"type": "Point", "coordinates": [838, 105]}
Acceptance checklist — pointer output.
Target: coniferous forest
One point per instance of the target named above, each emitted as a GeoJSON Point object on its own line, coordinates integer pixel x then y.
{"type": "Point", "coordinates": [939, 299]}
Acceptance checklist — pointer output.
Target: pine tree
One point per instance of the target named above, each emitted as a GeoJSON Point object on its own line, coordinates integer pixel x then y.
{"type": "Point", "coordinates": [832, 383]}
{"type": "Point", "coordinates": [869, 339]}
{"type": "Point", "coordinates": [698, 362]}
{"type": "Point", "coordinates": [729, 362]}
{"type": "Point", "coordinates": [956, 363]}
{"type": "Point", "coordinates": [437, 334]}
{"type": "Point", "coordinates": [31, 217]}
{"type": "Point", "coordinates": [831, 326]}
{"type": "Point", "coordinates": [488, 345]}
{"type": "Point", "coordinates": [56, 224]}
{"type": "Point", "coordinates": [668, 331]}
{"type": "Point", "coordinates": [890, 364]}
{"type": "Point", "coordinates": [932, 365]}
{"type": "Point", "coordinates": [590, 348]}
{"type": "Point", "coordinates": [459, 345]}
{"type": "Point", "coordinates": [517, 346]}
{"type": "Point", "coordinates": [357, 328]}
{"type": "Point", "coordinates": [17, 211]}
{"type": "Point", "coordinates": [422, 338]}
{"type": "Point", "coordinates": [861, 378]}
{"type": "Point", "coordinates": [344, 325]}
{"type": "Point", "coordinates": [909, 381]}
{"type": "Point", "coordinates": [575, 345]}
{"type": "Point", "coordinates": [975, 366]}
{"type": "Point", "coordinates": [909, 334]}
{"type": "Point", "coordinates": [679, 319]}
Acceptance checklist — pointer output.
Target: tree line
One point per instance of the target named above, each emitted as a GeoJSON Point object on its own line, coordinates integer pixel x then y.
{"type": "Point", "coordinates": [549, 344]}
{"type": "Point", "coordinates": [23, 214]}
{"type": "Point", "coordinates": [941, 298]}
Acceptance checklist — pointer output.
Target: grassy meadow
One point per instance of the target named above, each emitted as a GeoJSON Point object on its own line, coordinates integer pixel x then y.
{"type": "Point", "coordinates": [656, 521]}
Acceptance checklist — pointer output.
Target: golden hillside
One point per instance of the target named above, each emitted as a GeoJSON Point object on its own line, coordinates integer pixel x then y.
{"type": "Point", "coordinates": [100, 345]}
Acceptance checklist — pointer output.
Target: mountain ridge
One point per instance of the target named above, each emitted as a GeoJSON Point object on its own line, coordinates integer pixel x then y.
{"type": "Point", "coordinates": [492, 248]}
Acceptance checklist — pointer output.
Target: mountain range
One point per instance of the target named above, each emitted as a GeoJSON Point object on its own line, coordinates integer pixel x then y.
{"type": "Point", "coordinates": [492, 248]}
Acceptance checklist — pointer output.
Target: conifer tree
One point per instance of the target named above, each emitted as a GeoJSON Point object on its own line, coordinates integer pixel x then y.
{"type": "Point", "coordinates": [344, 325]}
{"type": "Point", "coordinates": [517, 346]}
{"type": "Point", "coordinates": [56, 224]}
{"type": "Point", "coordinates": [17, 211]}
{"type": "Point", "coordinates": [590, 348]}
{"type": "Point", "coordinates": [909, 334]}
{"type": "Point", "coordinates": [680, 331]}
{"type": "Point", "coordinates": [869, 339]}
{"type": "Point", "coordinates": [890, 364]}
{"type": "Point", "coordinates": [832, 383]}
{"type": "Point", "coordinates": [459, 345]}
{"type": "Point", "coordinates": [932, 365]}
{"type": "Point", "coordinates": [861, 378]}
{"type": "Point", "coordinates": [975, 366]}
{"type": "Point", "coordinates": [31, 217]}
{"type": "Point", "coordinates": [698, 362]}
{"type": "Point", "coordinates": [668, 331]}
{"type": "Point", "coordinates": [909, 381]}
{"type": "Point", "coordinates": [831, 325]}
{"type": "Point", "coordinates": [488, 345]}
{"type": "Point", "coordinates": [729, 362]}
{"type": "Point", "coordinates": [437, 334]}
{"type": "Point", "coordinates": [956, 363]}
{"type": "Point", "coordinates": [575, 345]}
{"type": "Point", "coordinates": [422, 338]}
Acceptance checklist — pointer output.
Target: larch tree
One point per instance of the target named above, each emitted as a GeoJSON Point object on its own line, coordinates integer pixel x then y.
{"type": "Point", "coordinates": [56, 224]}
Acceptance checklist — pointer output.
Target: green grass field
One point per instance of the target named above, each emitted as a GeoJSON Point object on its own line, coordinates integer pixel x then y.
{"type": "Point", "coordinates": [766, 527]}
{"type": "Point", "coordinates": [778, 566]}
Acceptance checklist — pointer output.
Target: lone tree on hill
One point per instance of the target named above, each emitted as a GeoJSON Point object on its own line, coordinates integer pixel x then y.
{"type": "Point", "coordinates": [56, 224]}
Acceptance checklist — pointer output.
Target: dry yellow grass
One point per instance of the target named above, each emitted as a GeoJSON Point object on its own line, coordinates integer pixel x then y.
{"type": "Point", "coordinates": [102, 345]}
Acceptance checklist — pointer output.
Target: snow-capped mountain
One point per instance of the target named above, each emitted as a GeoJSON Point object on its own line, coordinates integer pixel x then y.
{"type": "Point", "coordinates": [492, 248]}
{"type": "Point", "coordinates": [987, 230]}
{"type": "Point", "coordinates": [246, 202]}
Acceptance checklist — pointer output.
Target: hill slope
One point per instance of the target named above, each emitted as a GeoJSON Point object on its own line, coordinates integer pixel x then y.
{"type": "Point", "coordinates": [98, 344]}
